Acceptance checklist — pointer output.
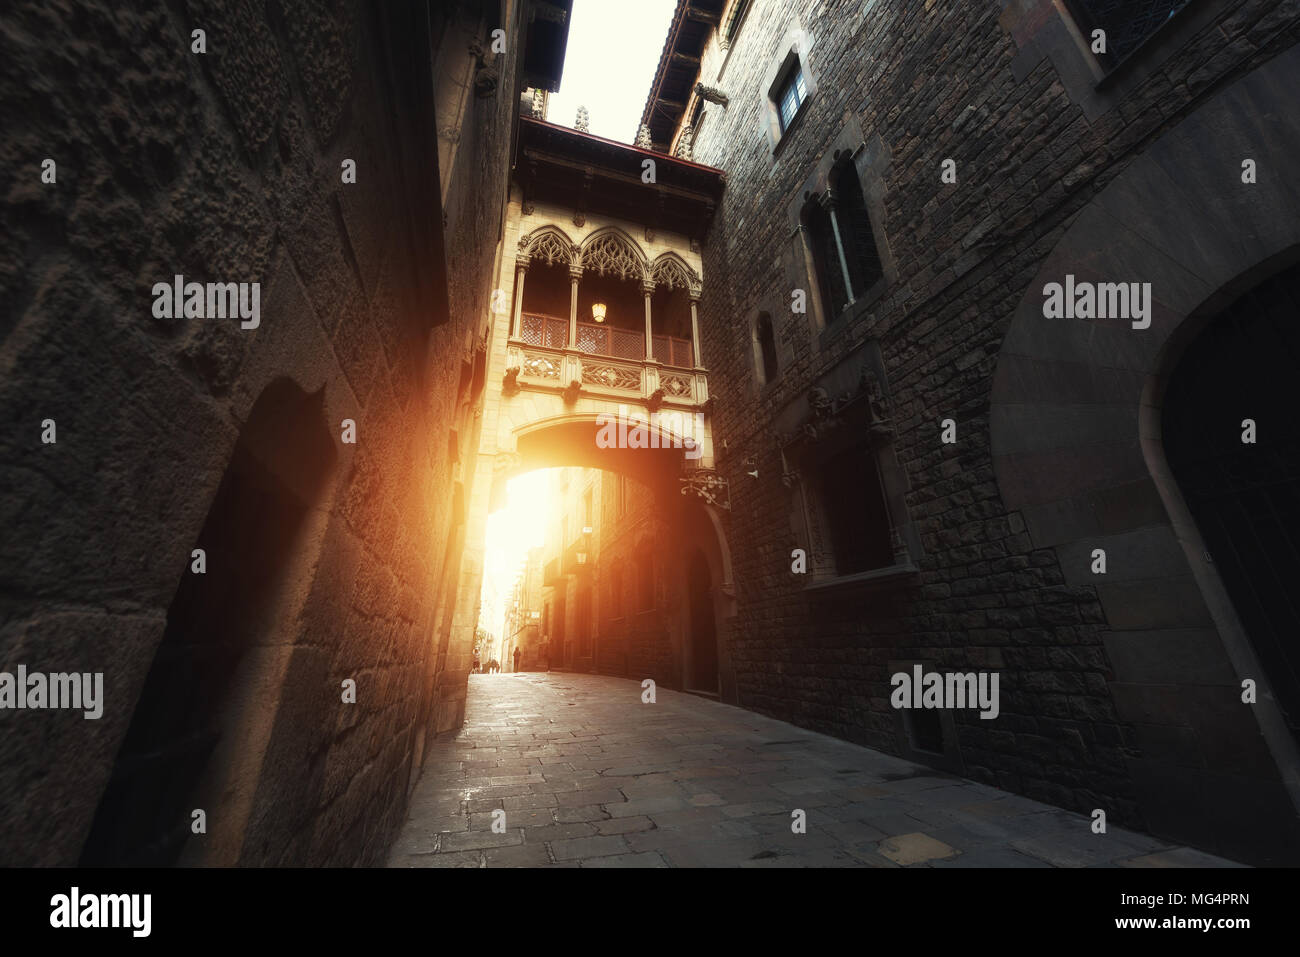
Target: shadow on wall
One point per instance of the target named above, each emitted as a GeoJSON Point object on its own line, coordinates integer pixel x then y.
{"type": "Point", "coordinates": [205, 716]}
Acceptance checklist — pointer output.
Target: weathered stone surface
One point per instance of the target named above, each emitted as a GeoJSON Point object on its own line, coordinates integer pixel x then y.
{"type": "Point", "coordinates": [225, 167]}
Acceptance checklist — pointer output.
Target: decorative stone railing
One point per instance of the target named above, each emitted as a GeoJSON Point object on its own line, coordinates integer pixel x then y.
{"type": "Point", "coordinates": [625, 379]}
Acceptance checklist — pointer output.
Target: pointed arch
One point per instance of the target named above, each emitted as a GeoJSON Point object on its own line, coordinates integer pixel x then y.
{"type": "Point", "coordinates": [611, 252]}
{"type": "Point", "coordinates": [670, 271]}
{"type": "Point", "coordinates": [550, 245]}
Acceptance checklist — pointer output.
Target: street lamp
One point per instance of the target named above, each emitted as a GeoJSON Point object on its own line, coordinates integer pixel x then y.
{"type": "Point", "coordinates": [598, 311]}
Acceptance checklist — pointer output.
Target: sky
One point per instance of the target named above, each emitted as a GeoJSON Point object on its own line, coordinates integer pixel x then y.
{"type": "Point", "coordinates": [613, 51]}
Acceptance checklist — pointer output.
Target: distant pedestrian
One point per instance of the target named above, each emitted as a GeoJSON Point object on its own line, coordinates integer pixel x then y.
{"type": "Point", "coordinates": [494, 666]}
{"type": "Point", "coordinates": [516, 659]}
{"type": "Point", "coordinates": [477, 664]}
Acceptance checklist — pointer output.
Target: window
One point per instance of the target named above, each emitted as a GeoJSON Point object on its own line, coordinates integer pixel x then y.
{"type": "Point", "coordinates": [792, 95]}
{"type": "Point", "coordinates": [842, 240]}
{"type": "Point", "coordinates": [859, 528]}
{"type": "Point", "coordinates": [860, 254]}
{"type": "Point", "coordinates": [766, 347]}
{"type": "Point", "coordinates": [1128, 23]}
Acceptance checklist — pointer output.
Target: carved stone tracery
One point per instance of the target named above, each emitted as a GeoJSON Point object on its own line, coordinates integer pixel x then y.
{"type": "Point", "coordinates": [610, 255]}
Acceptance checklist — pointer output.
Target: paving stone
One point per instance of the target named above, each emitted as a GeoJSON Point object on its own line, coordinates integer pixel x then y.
{"type": "Point", "coordinates": [575, 815]}
{"type": "Point", "coordinates": [521, 855]}
{"type": "Point", "coordinates": [644, 859]}
{"type": "Point", "coordinates": [624, 825]}
{"type": "Point", "coordinates": [473, 840]}
{"type": "Point", "coordinates": [585, 847]}
{"type": "Point", "coordinates": [915, 848]}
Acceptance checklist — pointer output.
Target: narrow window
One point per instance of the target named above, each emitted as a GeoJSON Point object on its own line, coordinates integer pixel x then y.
{"type": "Point", "coordinates": [826, 260]}
{"type": "Point", "coordinates": [856, 234]}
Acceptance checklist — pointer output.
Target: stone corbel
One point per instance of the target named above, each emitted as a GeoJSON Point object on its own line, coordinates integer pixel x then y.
{"type": "Point", "coordinates": [712, 94]}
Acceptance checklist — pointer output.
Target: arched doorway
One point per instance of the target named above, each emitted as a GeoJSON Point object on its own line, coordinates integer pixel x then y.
{"type": "Point", "coordinates": [702, 666]}
{"type": "Point", "coordinates": [1245, 495]}
{"type": "Point", "coordinates": [208, 706]}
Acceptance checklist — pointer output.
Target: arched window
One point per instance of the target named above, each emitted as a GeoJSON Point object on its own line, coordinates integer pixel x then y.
{"type": "Point", "coordinates": [842, 241]}
{"type": "Point", "coordinates": [766, 347]}
{"type": "Point", "coordinates": [856, 234]}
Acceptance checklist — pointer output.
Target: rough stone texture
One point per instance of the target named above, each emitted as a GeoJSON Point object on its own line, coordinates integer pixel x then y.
{"type": "Point", "coordinates": [226, 166]}
{"type": "Point", "coordinates": [925, 83]}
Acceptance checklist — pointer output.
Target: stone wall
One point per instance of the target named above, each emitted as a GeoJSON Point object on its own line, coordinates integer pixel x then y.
{"type": "Point", "coordinates": [226, 166]}
{"type": "Point", "coordinates": [985, 84]}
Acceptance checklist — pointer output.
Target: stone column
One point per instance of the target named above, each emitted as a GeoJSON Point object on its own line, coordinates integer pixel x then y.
{"type": "Point", "coordinates": [574, 275]}
{"type": "Point", "coordinates": [648, 287]}
{"type": "Point", "coordinates": [695, 329]}
{"type": "Point", "coordinates": [830, 204]}
{"type": "Point", "coordinates": [516, 322]}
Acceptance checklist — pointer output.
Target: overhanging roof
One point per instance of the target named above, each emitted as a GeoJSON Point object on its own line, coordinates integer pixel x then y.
{"type": "Point", "coordinates": [679, 66]}
{"type": "Point", "coordinates": [547, 37]}
{"type": "Point", "coordinates": [592, 174]}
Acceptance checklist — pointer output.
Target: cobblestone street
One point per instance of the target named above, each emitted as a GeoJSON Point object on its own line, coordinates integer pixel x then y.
{"type": "Point", "coordinates": [589, 776]}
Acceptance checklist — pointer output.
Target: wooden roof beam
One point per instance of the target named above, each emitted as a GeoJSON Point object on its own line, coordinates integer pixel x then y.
{"type": "Point", "coordinates": [712, 18]}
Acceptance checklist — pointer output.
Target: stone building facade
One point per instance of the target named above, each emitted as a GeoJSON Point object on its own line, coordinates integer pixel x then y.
{"type": "Point", "coordinates": [185, 508]}
{"type": "Point", "coordinates": [906, 181]}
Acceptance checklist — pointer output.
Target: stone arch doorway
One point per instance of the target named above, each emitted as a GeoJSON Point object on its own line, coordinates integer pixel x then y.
{"type": "Point", "coordinates": [702, 632]}
{"type": "Point", "coordinates": [690, 527]}
{"type": "Point", "coordinates": [1077, 449]}
{"type": "Point", "coordinates": [1244, 496]}
{"type": "Point", "coordinates": [209, 704]}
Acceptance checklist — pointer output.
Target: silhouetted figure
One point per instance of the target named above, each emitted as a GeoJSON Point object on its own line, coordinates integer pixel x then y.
{"type": "Point", "coordinates": [494, 666]}
{"type": "Point", "coordinates": [477, 665]}
{"type": "Point", "coordinates": [516, 659]}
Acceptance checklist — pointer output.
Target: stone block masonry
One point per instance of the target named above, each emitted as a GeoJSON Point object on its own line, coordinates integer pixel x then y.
{"type": "Point", "coordinates": [901, 88]}
{"type": "Point", "coordinates": [226, 166]}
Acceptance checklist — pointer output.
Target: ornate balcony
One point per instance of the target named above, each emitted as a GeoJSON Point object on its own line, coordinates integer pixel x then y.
{"type": "Point", "coordinates": [606, 361]}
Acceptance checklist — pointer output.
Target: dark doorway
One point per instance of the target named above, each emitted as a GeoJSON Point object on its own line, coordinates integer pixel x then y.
{"type": "Point", "coordinates": [703, 633]}
{"type": "Point", "coordinates": [216, 622]}
{"type": "Point", "coordinates": [1245, 498]}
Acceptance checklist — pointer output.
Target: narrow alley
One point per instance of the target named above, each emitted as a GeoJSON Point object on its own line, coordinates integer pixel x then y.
{"type": "Point", "coordinates": [588, 775]}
